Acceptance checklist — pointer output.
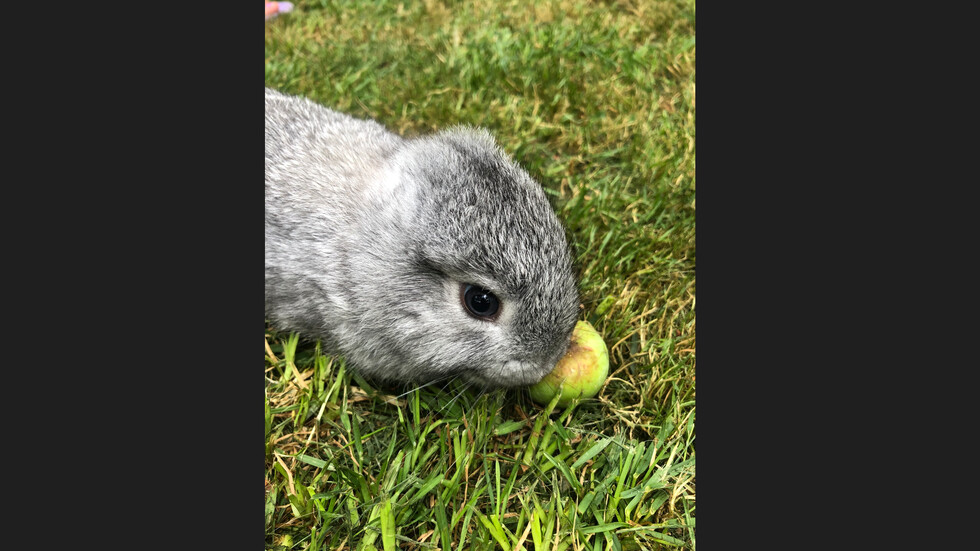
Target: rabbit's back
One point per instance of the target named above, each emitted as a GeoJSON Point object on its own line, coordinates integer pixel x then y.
{"type": "Point", "coordinates": [323, 171]}
{"type": "Point", "coordinates": [318, 158]}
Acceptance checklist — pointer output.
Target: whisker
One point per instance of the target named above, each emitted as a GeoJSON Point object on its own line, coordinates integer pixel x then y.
{"type": "Point", "coordinates": [430, 383]}
{"type": "Point", "coordinates": [466, 386]}
{"type": "Point", "coordinates": [449, 380]}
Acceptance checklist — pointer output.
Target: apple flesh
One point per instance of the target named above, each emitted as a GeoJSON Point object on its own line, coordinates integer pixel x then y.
{"type": "Point", "coordinates": [580, 373]}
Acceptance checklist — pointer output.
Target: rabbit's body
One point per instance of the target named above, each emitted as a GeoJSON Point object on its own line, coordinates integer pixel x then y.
{"type": "Point", "coordinates": [415, 259]}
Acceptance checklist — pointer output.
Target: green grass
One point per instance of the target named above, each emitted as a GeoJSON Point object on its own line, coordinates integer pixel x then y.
{"type": "Point", "coordinates": [596, 100]}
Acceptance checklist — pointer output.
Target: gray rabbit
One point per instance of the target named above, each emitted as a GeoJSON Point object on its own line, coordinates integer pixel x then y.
{"type": "Point", "coordinates": [416, 259]}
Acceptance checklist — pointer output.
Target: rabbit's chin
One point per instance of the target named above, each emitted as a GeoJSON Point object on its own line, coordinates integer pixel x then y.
{"type": "Point", "coordinates": [510, 374]}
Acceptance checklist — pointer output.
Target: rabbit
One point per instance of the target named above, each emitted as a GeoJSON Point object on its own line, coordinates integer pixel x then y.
{"type": "Point", "coordinates": [416, 259]}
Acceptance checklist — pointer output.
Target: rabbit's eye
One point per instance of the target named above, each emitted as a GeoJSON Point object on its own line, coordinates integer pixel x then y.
{"type": "Point", "coordinates": [479, 302]}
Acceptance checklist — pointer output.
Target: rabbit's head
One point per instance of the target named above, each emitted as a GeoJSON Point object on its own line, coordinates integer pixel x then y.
{"type": "Point", "coordinates": [475, 275]}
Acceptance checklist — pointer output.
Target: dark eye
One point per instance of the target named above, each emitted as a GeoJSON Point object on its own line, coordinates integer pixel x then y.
{"type": "Point", "coordinates": [479, 302]}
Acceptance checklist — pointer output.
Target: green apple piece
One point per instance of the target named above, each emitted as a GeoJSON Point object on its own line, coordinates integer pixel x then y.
{"type": "Point", "coordinates": [580, 373]}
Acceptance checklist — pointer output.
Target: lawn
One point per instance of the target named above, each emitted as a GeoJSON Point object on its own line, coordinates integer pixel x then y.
{"type": "Point", "coordinates": [596, 101]}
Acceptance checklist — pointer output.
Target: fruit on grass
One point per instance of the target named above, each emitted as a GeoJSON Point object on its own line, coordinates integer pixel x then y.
{"type": "Point", "coordinates": [580, 373]}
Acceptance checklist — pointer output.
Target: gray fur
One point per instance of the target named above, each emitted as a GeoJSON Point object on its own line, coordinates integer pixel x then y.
{"type": "Point", "coordinates": [368, 237]}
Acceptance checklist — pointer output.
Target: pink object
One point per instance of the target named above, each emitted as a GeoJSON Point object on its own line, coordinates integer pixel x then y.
{"type": "Point", "coordinates": [272, 9]}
